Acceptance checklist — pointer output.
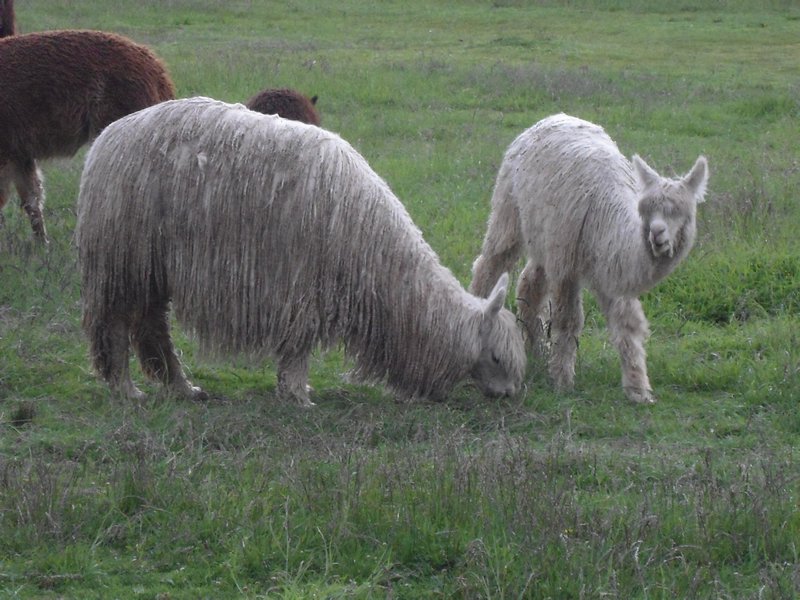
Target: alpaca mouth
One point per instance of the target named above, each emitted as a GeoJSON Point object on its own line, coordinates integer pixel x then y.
{"type": "Point", "coordinates": [495, 391]}
{"type": "Point", "coordinates": [662, 248]}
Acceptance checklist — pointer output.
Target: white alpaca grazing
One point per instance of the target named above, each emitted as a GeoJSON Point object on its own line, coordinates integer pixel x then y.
{"type": "Point", "coordinates": [585, 216]}
{"type": "Point", "coordinates": [269, 237]}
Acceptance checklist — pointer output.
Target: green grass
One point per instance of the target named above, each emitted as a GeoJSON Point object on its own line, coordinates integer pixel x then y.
{"type": "Point", "coordinates": [579, 495]}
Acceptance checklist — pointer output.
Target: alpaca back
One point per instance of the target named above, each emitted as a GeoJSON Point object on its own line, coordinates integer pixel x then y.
{"type": "Point", "coordinates": [576, 195]}
{"type": "Point", "coordinates": [268, 235]}
{"type": "Point", "coordinates": [60, 88]}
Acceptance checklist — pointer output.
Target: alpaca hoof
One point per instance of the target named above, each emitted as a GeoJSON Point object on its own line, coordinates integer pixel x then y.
{"type": "Point", "coordinates": [196, 394]}
{"type": "Point", "coordinates": [563, 383]}
{"type": "Point", "coordinates": [187, 391]}
{"type": "Point", "coordinates": [640, 396]}
{"type": "Point", "coordinates": [301, 400]}
{"type": "Point", "coordinates": [128, 391]}
{"type": "Point", "coordinates": [299, 397]}
{"type": "Point", "coordinates": [403, 398]}
{"type": "Point", "coordinates": [304, 401]}
{"type": "Point", "coordinates": [136, 395]}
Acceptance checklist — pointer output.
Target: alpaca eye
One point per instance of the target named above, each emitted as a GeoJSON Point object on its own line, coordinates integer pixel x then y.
{"type": "Point", "coordinates": [495, 360]}
{"type": "Point", "coordinates": [669, 209]}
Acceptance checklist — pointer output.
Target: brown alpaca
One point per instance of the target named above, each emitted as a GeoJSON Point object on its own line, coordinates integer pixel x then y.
{"type": "Point", "coordinates": [59, 90]}
{"type": "Point", "coordinates": [8, 25]}
{"type": "Point", "coordinates": [285, 103]}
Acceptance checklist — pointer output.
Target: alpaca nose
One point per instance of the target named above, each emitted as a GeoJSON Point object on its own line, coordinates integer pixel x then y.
{"type": "Point", "coordinates": [510, 391]}
{"type": "Point", "coordinates": [658, 229]}
{"type": "Point", "coordinates": [659, 238]}
{"type": "Point", "coordinates": [501, 391]}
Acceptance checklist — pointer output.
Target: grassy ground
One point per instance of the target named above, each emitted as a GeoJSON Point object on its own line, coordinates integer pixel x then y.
{"type": "Point", "coordinates": [548, 495]}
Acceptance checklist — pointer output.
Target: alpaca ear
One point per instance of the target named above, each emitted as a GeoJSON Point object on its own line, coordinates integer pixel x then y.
{"type": "Point", "coordinates": [697, 178]}
{"type": "Point", "coordinates": [646, 175]}
{"type": "Point", "coordinates": [497, 298]}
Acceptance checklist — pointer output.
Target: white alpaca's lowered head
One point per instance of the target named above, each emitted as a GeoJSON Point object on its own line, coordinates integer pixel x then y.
{"type": "Point", "coordinates": [493, 375]}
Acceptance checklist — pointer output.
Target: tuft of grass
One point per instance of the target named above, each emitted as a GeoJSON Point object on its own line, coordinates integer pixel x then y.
{"type": "Point", "coordinates": [23, 414]}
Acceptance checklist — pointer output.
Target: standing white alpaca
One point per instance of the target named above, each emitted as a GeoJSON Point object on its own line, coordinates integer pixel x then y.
{"type": "Point", "coordinates": [269, 237]}
{"type": "Point", "coordinates": [586, 217]}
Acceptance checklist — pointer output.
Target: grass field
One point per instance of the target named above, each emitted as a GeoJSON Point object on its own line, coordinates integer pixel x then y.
{"type": "Point", "coordinates": [548, 495]}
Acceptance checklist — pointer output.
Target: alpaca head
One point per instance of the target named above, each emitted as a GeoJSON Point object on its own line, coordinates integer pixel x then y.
{"type": "Point", "coordinates": [501, 364]}
{"type": "Point", "coordinates": [668, 207]}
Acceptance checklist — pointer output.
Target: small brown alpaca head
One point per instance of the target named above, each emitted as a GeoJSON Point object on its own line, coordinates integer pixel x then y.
{"type": "Point", "coordinates": [285, 103]}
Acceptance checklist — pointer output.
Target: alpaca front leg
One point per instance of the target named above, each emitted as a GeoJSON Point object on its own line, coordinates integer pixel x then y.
{"type": "Point", "coordinates": [531, 294]}
{"type": "Point", "coordinates": [293, 380]}
{"type": "Point", "coordinates": [566, 324]}
{"type": "Point", "coordinates": [151, 340]}
{"type": "Point", "coordinates": [628, 329]}
{"type": "Point", "coordinates": [28, 180]}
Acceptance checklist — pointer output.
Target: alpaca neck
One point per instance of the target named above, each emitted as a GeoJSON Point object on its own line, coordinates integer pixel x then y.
{"type": "Point", "coordinates": [422, 324]}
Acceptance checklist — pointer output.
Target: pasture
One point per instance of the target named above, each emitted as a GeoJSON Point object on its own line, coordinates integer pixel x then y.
{"type": "Point", "coordinates": [547, 495]}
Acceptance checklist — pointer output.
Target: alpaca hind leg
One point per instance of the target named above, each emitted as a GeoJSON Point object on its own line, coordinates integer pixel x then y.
{"type": "Point", "coordinates": [566, 324]}
{"type": "Point", "coordinates": [628, 330]}
{"type": "Point", "coordinates": [109, 345]}
{"type": "Point", "coordinates": [28, 180]}
{"type": "Point", "coordinates": [293, 379]}
{"type": "Point", "coordinates": [153, 345]}
{"type": "Point", "coordinates": [531, 294]}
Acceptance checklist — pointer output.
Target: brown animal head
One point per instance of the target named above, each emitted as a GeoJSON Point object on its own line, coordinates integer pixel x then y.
{"type": "Point", "coordinates": [286, 103]}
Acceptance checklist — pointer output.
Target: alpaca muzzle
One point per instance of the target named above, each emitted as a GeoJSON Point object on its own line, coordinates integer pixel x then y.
{"type": "Point", "coordinates": [659, 239]}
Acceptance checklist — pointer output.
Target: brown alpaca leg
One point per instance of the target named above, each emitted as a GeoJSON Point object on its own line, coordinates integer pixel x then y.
{"type": "Point", "coordinates": [531, 294]}
{"type": "Point", "coordinates": [28, 180]}
{"type": "Point", "coordinates": [628, 330]}
{"type": "Point", "coordinates": [293, 379]}
{"type": "Point", "coordinates": [566, 324]}
{"type": "Point", "coordinates": [153, 345]}
{"type": "Point", "coordinates": [109, 343]}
